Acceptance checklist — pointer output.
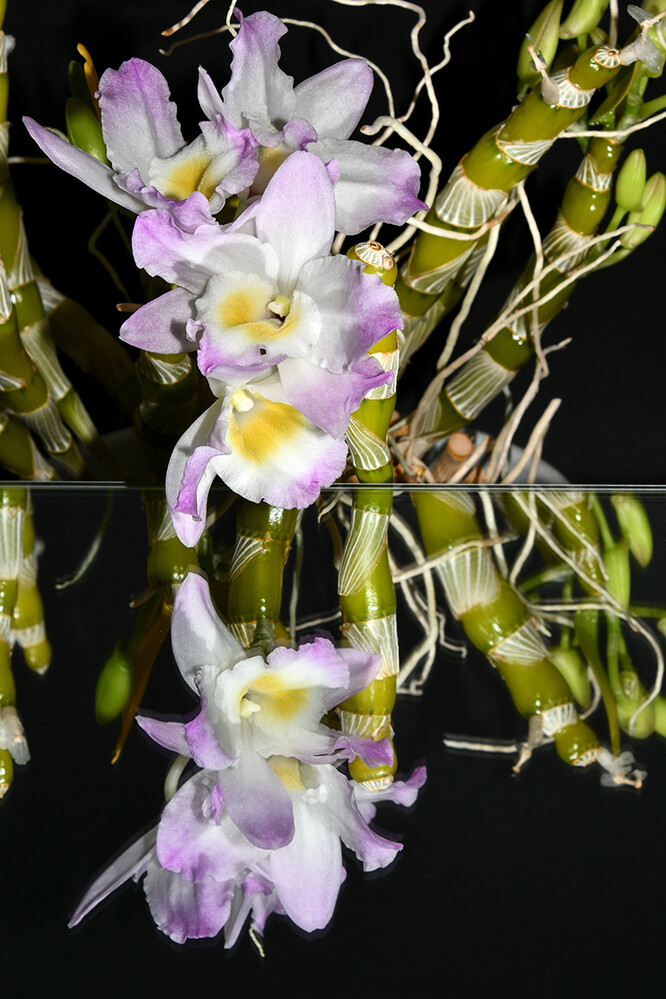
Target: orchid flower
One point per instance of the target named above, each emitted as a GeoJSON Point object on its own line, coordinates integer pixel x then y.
{"type": "Point", "coordinates": [282, 330]}
{"type": "Point", "coordinates": [259, 827]}
{"type": "Point", "coordinates": [151, 165]}
{"type": "Point", "coordinates": [202, 875]}
{"type": "Point", "coordinates": [318, 115]}
{"type": "Point", "coordinates": [253, 709]}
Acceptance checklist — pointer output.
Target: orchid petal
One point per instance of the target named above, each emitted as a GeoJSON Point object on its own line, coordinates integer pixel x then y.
{"type": "Point", "coordinates": [198, 847]}
{"type": "Point", "coordinates": [334, 100]}
{"type": "Point", "coordinates": [137, 94]}
{"type": "Point", "coordinates": [191, 472]}
{"type": "Point", "coordinates": [346, 818]}
{"type": "Point", "coordinates": [198, 636]}
{"type": "Point", "coordinates": [376, 184]}
{"type": "Point", "coordinates": [308, 872]}
{"type": "Point", "coordinates": [81, 165]}
{"type": "Point", "coordinates": [160, 325]}
{"type": "Point", "coordinates": [277, 455]}
{"type": "Point", "coordinates": [296, 215]}
{"type": "Point", "coordinates": [161, 247]}
{"type": "Point", "coordinates": [258, 88]}
{"type": "Point", "coordinates": [357, 308]}
{"type": "Point", "coordinates": [170, 735]}
{"type": "Point", "coordinates": [328, 399]}
{"type": "Point", "coordinates": [185, 910]}
{"type": "Point", "coordinates": [256, 800]}
{"type": "Point", "coordinates": [210, 101]}
{"type": "Point", "coordinates": [132, 862]}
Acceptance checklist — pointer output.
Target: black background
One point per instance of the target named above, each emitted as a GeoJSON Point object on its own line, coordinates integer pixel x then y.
{"type": "Point", "coordinates": [543, 885]}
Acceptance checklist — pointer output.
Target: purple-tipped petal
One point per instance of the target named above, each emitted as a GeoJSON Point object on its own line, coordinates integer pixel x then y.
{"type": "Point", "coordinates": [197, 846]}
{"type": "Point", "coordinates": [326, 398]}
{"type": "Point", "coordinates": [357, 310]}
{"type": "Point", "coordinates": [258, 88]}
{"type": "Point", "coordinates": [202, 742]}
{"type": "Point", "coordinates": [81, 165]}
{"type": "Point", "coordinates": [161, 247]}
{"type": "Point", "coordinates": [185, 910]}
{"type": "Point", "coordinates": [257, 801]}
{"type": "Point", "coordinates": [308, 872]}
{"type": "Point", "coordinates": [198, 636]}
{"type": "Point", "coordinates": [139, 121]}
{"type": "Point", "coordinates": [191, 472]}
{"type": "Point", "coordinates": [296, 215]}
{"type": "Point", "coordinates": [170, 735]}
{"type": "Point", "coordinates": [161, 325]}
{"type": "Point", "coordinates": [334, 100]}
{"type": "Point", "coordinates": [376, 184]}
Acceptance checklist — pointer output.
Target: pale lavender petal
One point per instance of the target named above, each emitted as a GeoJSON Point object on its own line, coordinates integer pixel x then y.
{"type": "Point", "coordinates": [258, 89]}
{"type": "Point", "coordinates": [209, 97]}
{"type": "Point", "coordinates": [325, 398]}
{"type": "Point", "coordinates": [198, 847]}
{"type": "Point", "coordinates": [185, 910]}
{"type": "Point", "coordinates": [399, 792]}
{"type": "Point", "coordinates": [256, 800]}
{"type": "Point", "coordinates": [161, 325]}
{"type": "Point", "coordinates": [345, 818]}
{"type": "Point", "coordinates": [334, 100]}
{"type": "Point", "coordinates": [132, 862]}
{"type": "Point", "coordinates": [308, 872]}
{"type": "Point", "coordinates": [86, 168]}
{"type": "Point", "coordinates": [357, 310]}
{"type": "Point", "coordinates": [256, 894]}
{"type": "Point", "coordinates": [201, 739]}
{"type": "Point", "coordinates": [376, 184]}
{"type": "Point", "coordinates": [171, 735]}
{"type": "Point", "coordinates": [191, 472]}
{"type": "Point", "coordinates": [139, 121]}
{"type": "Point", "coordinates": [198, 636]}
{"type": "Point", "coordinates": [160, 246]}
{"type": "Point", "coordinates": [296, 215]}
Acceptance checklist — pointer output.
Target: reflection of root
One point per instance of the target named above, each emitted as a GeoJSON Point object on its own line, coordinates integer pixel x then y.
{"type": "Point", "coordinates": [619, 770]}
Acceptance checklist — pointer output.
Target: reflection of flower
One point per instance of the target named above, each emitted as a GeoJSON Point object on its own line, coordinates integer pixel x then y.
{"type": "Point", "coordinates": [151, 164]}
{"type": "Point", "coordinates": [282, 330]}
{"type": "Point", "coordinates": [259, 827]}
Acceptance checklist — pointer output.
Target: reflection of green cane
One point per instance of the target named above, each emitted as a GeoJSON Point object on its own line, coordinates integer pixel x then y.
{"type": "Point", "coordinates": [263, 541]}
{"type": "Point", "coordinates": [365, 585]}
{"type": "Point", "coordinates": [497, 622]}
{"type": "Point", "coordinates": [13, 504]}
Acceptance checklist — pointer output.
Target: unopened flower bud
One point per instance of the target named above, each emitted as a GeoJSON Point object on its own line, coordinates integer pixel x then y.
{"type": "Point", "coordinates": [571, 666]}
{"type": "Point", "coordinates": [630, 185]}
{"type": "Point", "coordinates": [635, 526]}
{"type": "Point", "coordinates": [584, 16]}
{"type": "Point", "coordinates": [616, 561]}
{"type": "Point", "coordinates": [114, 686]}
{"type": "Point", "coordinates": [654, 203]}
{"type": "Point", "coordinates": [543, 35]}
{"type": "Point", "coordinates": [84, 129]}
